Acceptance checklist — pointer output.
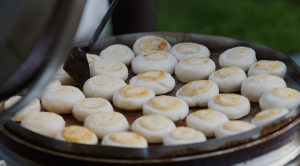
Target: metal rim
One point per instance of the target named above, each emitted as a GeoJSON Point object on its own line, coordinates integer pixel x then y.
{"type": "Point", "coordinates": [281, 133]}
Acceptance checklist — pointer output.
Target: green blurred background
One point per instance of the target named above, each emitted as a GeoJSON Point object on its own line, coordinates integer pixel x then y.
{"type": "Point", "coordinates": [274, 23]}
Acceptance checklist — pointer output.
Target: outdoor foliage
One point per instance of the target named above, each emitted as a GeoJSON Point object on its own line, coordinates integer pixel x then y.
{"type": "Point", "coordinates": [274, 23]}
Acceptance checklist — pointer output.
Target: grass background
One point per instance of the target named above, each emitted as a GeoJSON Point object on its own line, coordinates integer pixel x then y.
{"type": "Point", "coordinates": [274, 23]}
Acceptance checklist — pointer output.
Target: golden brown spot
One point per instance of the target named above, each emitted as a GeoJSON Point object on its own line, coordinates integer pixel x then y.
{"type": "Point", "coordinates": [194, 61]}
{"type": "Point", "coordinates": [237, 125]}
{"type": "Point", "coordinates": [44, 116]}
{"type": "Point", "coordinates": [92, 103]}
{"type": "Point", "coordinates": [109, 66]}
{"type": "Point", "coordinates": [61, 90]}
{"type": "Point", "coordinates": [132, 91]}
{"type": "Point", "coordinates": [268, 113]}
{"type": "Point", "coordinates": [126, 138]}
{"type": "Point", "coordinates": [195, 87]}
{"type": "Point", "coordinates": [285, 92]}
{"type": "Point", "coordinates": [77, 134]}
{"type": "Point", "coordinates": [106, 118]}
{"type": "Point", "coordinates": [226, 72]}
{"type": "Point", "coordinates": [164, 103]}
{"type": "Point", "coordinates": [90, 59]}
{"type": "Point", "coordinates": [53, 80]}
{"type": "Point", "coordinates": [104, 80]}
{"type": "Point", "coordinates": [238, 53]}
{"type": "Point", "coordinates": [207, 114]}
{"type": "Point", "coordinates": [155, 56]}
{"type": "Point", "coordinates": [229, 100]}
{"type": "Point", "coordinates": [188, 49]}
{"type": "Point", "coordinates": [2, 104]}
{"type": "Point", "coordinates": [116, 50]}
{"type": "Point", "coordinates": [152, 44]}
{"type": "Point", "coordinates": [263, 78]}
{"type": "Point", "coordinates": [153, 122]}
{"type": "Point", "coordinates": [184, 133]}
{"type": "Point", "coordinates": [152, 75]}
{"type": "Point", "coordinates": [267, 65]}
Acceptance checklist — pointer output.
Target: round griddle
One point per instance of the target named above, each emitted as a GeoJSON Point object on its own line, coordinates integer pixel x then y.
{"type": "Point", "coordinates": [221, 151]}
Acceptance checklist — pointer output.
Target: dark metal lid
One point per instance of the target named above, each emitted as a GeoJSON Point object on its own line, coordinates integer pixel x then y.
{"type": "Point", "coordinates": [35, 38]}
